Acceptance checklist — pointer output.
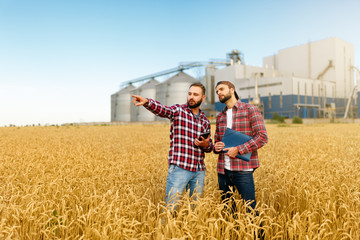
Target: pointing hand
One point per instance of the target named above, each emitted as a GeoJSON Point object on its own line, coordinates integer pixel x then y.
{"type": "Point", "coordinates": [139, 101]}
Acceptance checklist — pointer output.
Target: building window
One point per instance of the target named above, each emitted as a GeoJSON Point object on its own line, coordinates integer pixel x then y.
{"type": "Point", "coordinates": [305, 94]}
{"type": "Point", "coordinates": [319, 94]}
{"type": "Point", "coordinates": [281, 99]}
{"type": "Point", "coordinates": [269, 100]}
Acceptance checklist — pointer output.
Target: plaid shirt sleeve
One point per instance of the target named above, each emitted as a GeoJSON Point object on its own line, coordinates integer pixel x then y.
{"type": "Point", "coordinates": [161, 110]}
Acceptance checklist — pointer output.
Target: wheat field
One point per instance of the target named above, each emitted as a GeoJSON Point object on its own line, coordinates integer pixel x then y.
{"type": "Point", "coordinates": [108, 182]}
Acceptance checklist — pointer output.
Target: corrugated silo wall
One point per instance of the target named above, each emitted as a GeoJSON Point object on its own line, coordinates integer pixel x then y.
{"type": "Point", "coordinates": [113, 107]}
{"type": "Point", "coordinates": [133, 109]}
{"type": "Point", "coordinates": [123, 107]}
{"type": "Point", "coordinates": [140, 113]}
{"type": "Point", "coordinates": [358, 104]}
{"type": "Point", "coordinates": [161, 91]}
{"type": "Point", "coordinates": [176, 93]}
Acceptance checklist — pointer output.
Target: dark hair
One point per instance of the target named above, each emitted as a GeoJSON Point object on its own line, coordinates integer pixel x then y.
{"type": "Point", "coordinates": [230, 85]}
{"type": "Point", "coordinates": [198, 85]}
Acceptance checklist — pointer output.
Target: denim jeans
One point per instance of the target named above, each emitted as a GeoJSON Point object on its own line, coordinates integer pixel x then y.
{"type": "Point", "coordinates": [244, 183]}
{"type": "Point", "coordinates": [178, 179]}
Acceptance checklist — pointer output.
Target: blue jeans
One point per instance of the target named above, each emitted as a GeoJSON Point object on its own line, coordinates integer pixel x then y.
{"type": "Point", "coordinates": [178, 179]}
{"type": "Point", "coordinates": [244, 183]}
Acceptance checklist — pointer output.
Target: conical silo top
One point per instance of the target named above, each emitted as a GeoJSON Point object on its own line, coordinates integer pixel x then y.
{"type": "Point", "coordinates": [126, 89]}
{"type": "Point", "coordinates": [181, 77]}
{"type": "Point", "coordinates": [149, 84]}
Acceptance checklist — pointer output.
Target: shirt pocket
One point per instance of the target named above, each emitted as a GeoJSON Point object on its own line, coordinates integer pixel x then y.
{"type": "Point", "coordinates": [241, 114]}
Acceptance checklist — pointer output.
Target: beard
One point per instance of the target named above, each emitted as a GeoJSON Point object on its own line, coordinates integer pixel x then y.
{"type": "Point", "coordinates": [194, 104]}
{"type": "Point", "coordinates": [225, 98]}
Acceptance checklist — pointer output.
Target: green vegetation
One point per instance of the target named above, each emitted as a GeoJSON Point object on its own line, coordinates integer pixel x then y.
{"type": "Point", "coordinates": [277, 119]}
{"type": "Point", "coordinates": [297, 120]}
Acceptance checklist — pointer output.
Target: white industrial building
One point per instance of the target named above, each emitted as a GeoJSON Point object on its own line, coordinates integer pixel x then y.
{"type": "Point", "coordinates": [310, 80]}
{"type": "Point", "coordinates": [316, 79]}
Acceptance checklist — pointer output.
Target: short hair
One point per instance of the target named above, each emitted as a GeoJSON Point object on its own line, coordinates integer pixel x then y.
{"type": "Point", "coordinates": [198, 84]}
{"type": "Point", "coordinates": [230, 85]}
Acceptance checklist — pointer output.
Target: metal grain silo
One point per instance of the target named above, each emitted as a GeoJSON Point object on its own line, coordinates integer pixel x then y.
{"type": "Point", "coordinates": [120, 104]}
{"type": "Point", "coordinates": [113, 107]}
{"type": "Point", "coordinates": [174, 90]}
{"type": "Point", "coordinates": [147, 90]}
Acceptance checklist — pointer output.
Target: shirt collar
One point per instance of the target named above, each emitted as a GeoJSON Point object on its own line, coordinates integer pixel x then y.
{"type": "Point", "coordinates": [201, 113]}
{"type": "Point", "coordinates": [236, 106]}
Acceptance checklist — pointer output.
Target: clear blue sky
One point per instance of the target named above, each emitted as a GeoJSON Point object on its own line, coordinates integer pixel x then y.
{"type": "Point", "coordinates": [60, 60]}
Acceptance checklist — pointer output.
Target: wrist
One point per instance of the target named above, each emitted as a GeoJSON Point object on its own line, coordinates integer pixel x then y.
{"type": "Point", "coordinates": [146, 102]}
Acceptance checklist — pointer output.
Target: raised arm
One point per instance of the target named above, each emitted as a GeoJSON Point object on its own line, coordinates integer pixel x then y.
{"type": "Point", "coordinates": [155, 107]}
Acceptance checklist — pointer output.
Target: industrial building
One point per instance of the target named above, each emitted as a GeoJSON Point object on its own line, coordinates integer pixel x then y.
{"type": "Point", "coordinates": [313, 80]}
{"type": "Point", "coordinates": [310, 81]}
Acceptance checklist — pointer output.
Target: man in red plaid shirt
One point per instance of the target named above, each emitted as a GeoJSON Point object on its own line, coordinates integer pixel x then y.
{"type": "Point", "coordinates": [245, 118]}
{"type": "Point", "coordinates": [187, 147]}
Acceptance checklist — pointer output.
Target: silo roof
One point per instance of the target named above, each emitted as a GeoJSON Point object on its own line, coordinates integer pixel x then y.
{"type": "Point", "coordinates": [149, 84]}
{"type": "Point", "coordinates": [126, 89]}
{"type": "Point", "coordinates": [181, 77]}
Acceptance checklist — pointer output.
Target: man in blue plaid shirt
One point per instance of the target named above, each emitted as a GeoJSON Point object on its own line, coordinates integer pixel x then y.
{"type": "Point", "coordinates": [187, 148]}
